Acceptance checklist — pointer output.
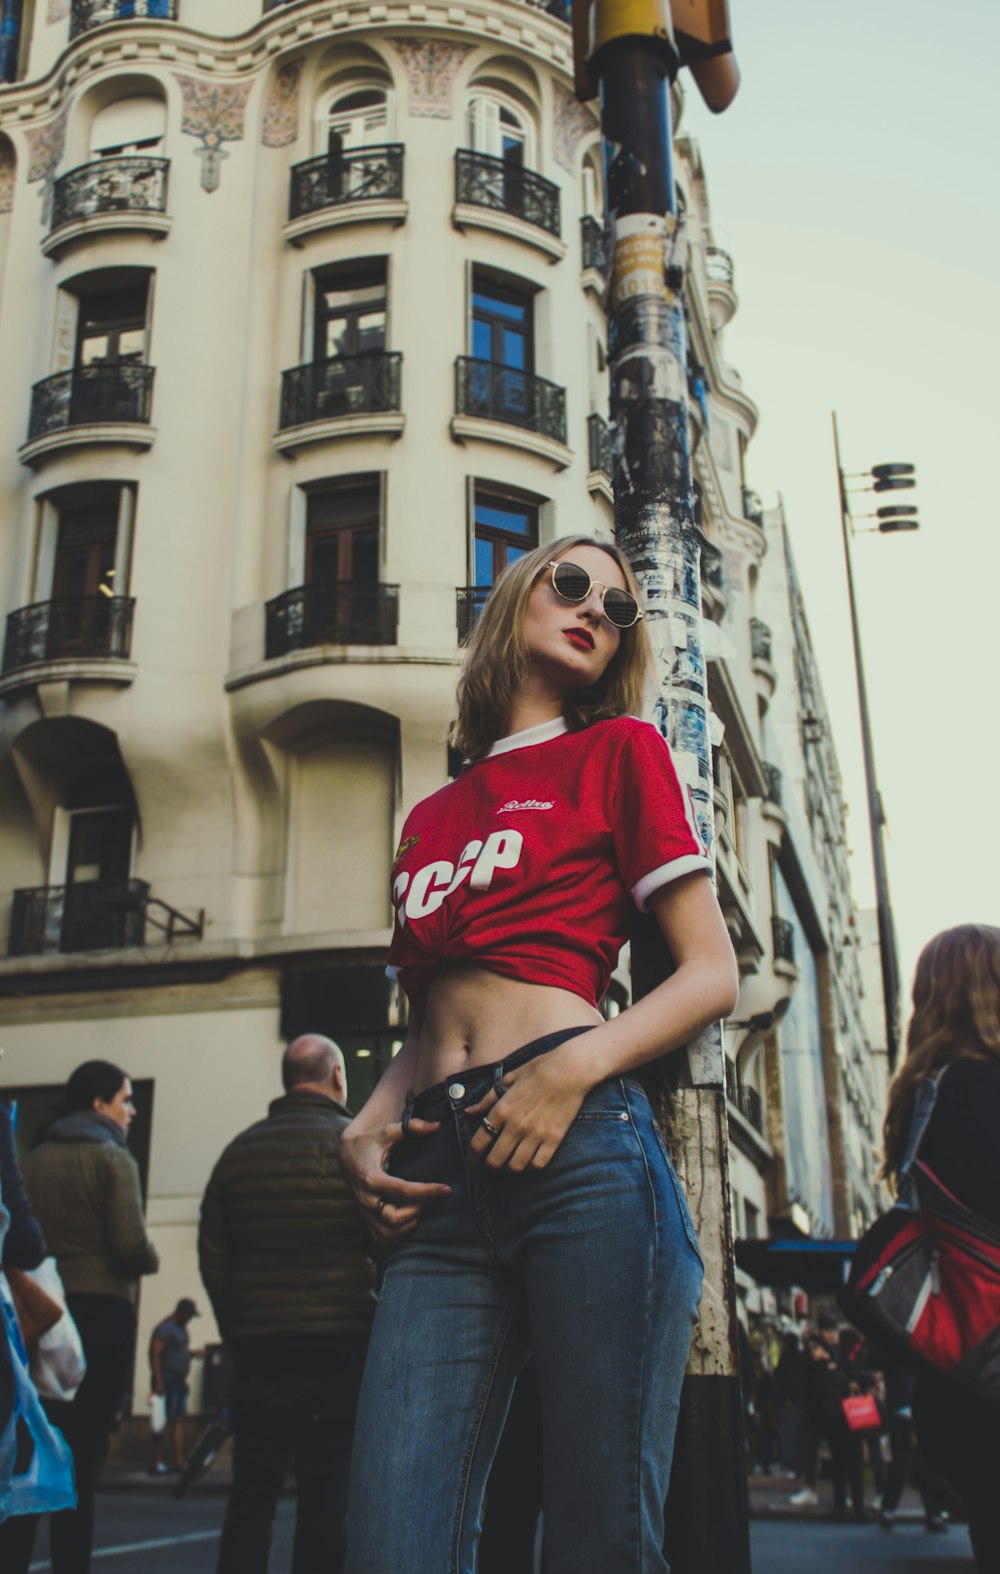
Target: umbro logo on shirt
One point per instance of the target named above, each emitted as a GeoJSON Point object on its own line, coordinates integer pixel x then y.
{"type": "Point", "coordinates": [523, 803]}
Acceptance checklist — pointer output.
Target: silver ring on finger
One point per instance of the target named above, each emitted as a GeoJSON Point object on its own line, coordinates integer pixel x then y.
{"type": "Point", "coordinates": [380, 1208]}
{"type": "Point", "coordinates": [487, 1125]}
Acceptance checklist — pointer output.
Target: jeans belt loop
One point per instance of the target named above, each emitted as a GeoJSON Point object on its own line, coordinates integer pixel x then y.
{"type": "Point", "coordinates": [498, 1086]}
{"type": "Point", "coordinates": [408, 1111]}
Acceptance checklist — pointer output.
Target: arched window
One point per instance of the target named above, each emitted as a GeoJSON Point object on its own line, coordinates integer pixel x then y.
{"type": "Point", "coordinates": [128, 126]}
{"type": "Point", "coordinates": [498, 127]}
{"type": "Point", "coordinates": [593, 185]}
{"type": "Point", "coordinates": [355, 117]}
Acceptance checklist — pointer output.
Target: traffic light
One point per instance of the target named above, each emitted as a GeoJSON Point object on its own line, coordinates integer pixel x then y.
{"type": "Point", "coordinates": [693, 33]}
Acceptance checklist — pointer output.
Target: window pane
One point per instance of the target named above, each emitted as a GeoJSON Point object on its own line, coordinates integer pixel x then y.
{"type": "Point", "coordinates": [506, 516]}
{"type": "Point", "coordinates": [94, 350]}
{"type": "Point", "coordinates": [364, 557]}
{"type": "Point", "coordinates": [496, 306]}
{"type": "Point", "coordinates": [371, 332]}
{"type": "Point", "coordinates": [482, 340]}
{"type": "Point", "coordinates": [513, 349]}
{"type": "Point", "coordinates": [484, 562]}
{"type": "Point", "coordinates": [131, 344]}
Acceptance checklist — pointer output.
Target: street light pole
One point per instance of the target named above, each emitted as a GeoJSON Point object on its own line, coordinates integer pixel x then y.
{"type": "Point", "coordinates": [632, 59]}
{"type": "Point", "coordinates": [876, 813]}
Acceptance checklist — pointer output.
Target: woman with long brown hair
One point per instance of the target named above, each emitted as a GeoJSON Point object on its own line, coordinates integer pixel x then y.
{"type": "Point", "coordinates": [954, 1037]}
{"type": "Point", "coordinates": [508, 1158]}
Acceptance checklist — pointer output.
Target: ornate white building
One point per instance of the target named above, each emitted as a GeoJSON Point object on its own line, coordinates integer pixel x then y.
{"type": "Point", "coordinates": [302, 338]}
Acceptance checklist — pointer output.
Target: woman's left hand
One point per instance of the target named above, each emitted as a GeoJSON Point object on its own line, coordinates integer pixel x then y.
{"type": "Point", "coordinates": [540, 1102]}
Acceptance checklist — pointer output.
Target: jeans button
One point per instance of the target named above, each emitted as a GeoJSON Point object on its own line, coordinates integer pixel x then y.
{"type": "Point", "coordinates": [456, 1090]}
{"type": "Point", "coordinates": [623, 1116]}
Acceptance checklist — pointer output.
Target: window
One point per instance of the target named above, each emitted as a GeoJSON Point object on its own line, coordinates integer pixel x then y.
{"type": "Point", "coordinates": [593, 186]}
{"type": "Point", "coordinates": [85, 550]}
{"type": "Point", "coordinates": [111, 328]}
{"type": "Point", "coordinates": [342, 534]}
{"type": "Point", "coordinates": [350, 310]}
{"type": "Point", "coordinates": [128, 126]}
{"type": "Point", "coordinates": [502, 327]}
{"type": "Point", "coordinates": [358, 119]}
{"type": "Point", "coordinates": [505, 528]}
{"type": "Point", "coordinates": [497, 127]}
{"type": "Point", "coordinates": [100, 811]}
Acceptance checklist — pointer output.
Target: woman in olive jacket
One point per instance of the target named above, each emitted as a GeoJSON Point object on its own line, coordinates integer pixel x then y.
{"type": "Point", "coordinates": [84, 1188]}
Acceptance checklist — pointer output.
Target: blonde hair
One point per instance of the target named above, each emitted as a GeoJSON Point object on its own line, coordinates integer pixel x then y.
{"type": "Point", "coordinates": [496, 661]}
{"type": "Point", "coordinates": [956, 1015]}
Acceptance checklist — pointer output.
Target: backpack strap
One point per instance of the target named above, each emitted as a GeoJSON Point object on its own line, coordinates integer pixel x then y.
{"type": "Point", "coordinates": [920, 1118]}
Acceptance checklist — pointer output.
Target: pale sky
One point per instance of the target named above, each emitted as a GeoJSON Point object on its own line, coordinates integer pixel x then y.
{"type": "Point", "coordinates": [854, 180]}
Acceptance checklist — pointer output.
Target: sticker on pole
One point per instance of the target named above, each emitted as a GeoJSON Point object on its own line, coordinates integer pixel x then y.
{"type": "Point", "coordinates": [638, 265]}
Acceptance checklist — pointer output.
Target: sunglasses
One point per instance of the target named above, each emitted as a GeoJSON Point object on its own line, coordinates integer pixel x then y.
{"type": "Point", "coordinates": [572, 583]}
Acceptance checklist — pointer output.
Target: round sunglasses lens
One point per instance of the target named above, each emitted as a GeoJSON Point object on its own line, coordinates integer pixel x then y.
{"type": "Point", "coordinates": [571, 582]}
{"type": "Point", "coordinates": [620, 608]}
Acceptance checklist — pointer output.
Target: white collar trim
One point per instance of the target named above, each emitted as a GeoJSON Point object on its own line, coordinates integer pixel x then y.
{"type": "Point", "coordinates": [531, 735]}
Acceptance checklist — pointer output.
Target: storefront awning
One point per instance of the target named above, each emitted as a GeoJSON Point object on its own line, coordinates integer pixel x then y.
{"type": "Point", "coordinates": [796, 1261]}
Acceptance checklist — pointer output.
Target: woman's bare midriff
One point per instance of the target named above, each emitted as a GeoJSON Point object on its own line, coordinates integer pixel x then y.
{"type": "Point", "coordinates": [474, 1017]}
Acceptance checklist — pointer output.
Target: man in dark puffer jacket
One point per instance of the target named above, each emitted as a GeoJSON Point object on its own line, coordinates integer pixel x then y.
{"type": "Point", "coordinates": [284, 1258]}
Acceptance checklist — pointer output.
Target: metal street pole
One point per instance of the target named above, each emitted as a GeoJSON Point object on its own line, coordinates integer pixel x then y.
{"type": "Point", "coordinates": [876, 813]}
{"type": "Point", "coordinates": [707, 1529]}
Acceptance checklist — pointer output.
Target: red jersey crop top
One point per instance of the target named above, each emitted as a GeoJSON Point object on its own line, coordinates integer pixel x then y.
{"type": "Point", "coordinates": [524, 865]}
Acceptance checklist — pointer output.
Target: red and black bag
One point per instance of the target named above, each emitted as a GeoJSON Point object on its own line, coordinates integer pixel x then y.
{"type": "Point", "coordinates": [925, 1279]}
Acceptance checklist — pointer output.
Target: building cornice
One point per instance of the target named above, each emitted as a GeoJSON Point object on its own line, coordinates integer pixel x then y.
{"type": "Point", "coordinates": [170, 44]}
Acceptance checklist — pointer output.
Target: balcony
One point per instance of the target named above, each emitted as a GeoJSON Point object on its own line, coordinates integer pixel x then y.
{"type": "Point", "coordinates": [775, 789]}
{"type": "Point", "coordinates": [494, 401]}
{"type": "Point", "coordinates": [109, 194]}
{"type": "Point", "coordinates": [366, 183]}
{"type": "Point", "coordinates": [491, 193]}
{"type": "Point", "coordinates": [783, 941]}
{"type": "Point", "coordinates": [85, 14]}
{"type": "Point", "coordinates": [753, 508]}
{"type": "Point", "coordinates": [338, 612]}
{"type": "Point", "coordinates": [744, 1098]}
{"type": "Point", "coordinates": [712, 564]}
{"type": "Point", "coordinates": [81, 628]}
{"type": "Point", "coordinates": [469, 602]}
{"type": "Point", "coordinates": [93, 915]}
{"type": "Point", "coordinates": [760, 640]}
{"type": "Point", "coordinates": [718, 266]}
{"type": "Point", "coordinates": [348, 394]}
{"type": "Point", "coordinates": [88, 404]}
{"type": "Point", "coordinates": [593, 246]}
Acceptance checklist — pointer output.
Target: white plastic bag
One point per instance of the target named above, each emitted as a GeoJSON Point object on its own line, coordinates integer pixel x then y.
{"type": "Point", "coordinates": [158, 1413]}
{"type": "Point", "coordinates": [57, 1362]}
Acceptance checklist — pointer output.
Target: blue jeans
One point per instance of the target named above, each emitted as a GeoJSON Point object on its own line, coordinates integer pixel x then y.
{"type": "Point", "coordinates": [590, 1265]}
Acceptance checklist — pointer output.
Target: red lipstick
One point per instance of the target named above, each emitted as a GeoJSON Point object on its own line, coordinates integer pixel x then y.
{"type": "Point", "coordinates": [580, 637]}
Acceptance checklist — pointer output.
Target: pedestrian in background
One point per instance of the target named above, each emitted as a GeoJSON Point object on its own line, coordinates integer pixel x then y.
{"type": "Point", "coordinates": [788, 1402]}
{"type": "Point", "coordinates": [824, 1387]}
{"type": "Point", "coordinates": [170, 1357]}
{"type": "Point", "coordinates": [906, 1462]}
{"type": "Point", "coordinates": [84, 1187]}
{"type": "Point", "coordinates": [285, 1260]}
{"type": "Point", "coordinates": [955, 1030]}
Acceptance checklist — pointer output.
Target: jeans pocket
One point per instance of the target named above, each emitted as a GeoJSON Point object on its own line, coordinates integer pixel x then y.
{"type": "Point", "coordinates": [678, 1190]}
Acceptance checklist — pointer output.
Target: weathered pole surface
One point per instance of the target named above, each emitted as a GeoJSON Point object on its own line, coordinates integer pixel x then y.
{"type": "Point", "coordinates": [707, 1530]}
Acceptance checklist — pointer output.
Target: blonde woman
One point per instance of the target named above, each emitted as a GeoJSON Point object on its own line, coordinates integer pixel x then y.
{"type": "Point", "coordinates": [508, 1158]}
{"type": "Point", "coordinates": [955, 1029]}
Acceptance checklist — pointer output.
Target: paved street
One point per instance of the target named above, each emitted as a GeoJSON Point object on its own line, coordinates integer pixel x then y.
{"type": "Point", "coordinates": [142, 1530]}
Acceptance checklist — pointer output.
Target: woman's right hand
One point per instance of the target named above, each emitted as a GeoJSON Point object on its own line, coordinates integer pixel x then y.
{"type": "Point", "coordinates": [391, 1207]}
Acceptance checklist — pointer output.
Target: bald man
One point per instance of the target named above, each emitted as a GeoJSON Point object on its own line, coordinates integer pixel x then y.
{"type": "Point", "coordinates": [284, 1259]}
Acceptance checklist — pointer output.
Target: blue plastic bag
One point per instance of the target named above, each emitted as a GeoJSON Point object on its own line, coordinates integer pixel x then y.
{"type": "Point", "coordinates": [46, 1483]}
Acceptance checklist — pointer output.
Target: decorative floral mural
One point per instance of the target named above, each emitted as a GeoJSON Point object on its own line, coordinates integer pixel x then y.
{"type": "Point", "coordinates": [45, 146]}
{"type": "Point", "coordinates": [281, 111]}
{"type": "Point", "coordinates": [431, 67]}
{"type": "Point", "coordinates": [213, 114]}
{"type": "Point", "coordinates": [572, 122]}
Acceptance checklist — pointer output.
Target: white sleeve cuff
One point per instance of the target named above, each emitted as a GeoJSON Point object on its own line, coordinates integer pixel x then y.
{"type": "Point", "coordinates": [691, 863]}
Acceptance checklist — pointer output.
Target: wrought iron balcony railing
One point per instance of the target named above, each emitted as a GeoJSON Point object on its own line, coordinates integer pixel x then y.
{"type": "Point", "coordinates": [337, 612]}
{"type": "Point", "coordinates": [91, 395]}
{"type": "Point", "coordinates": [751, 1106]}
{"type": "Point", "coordinates": [85, 14]}
{"type": "Point", "coordinates": [469, 602]}
{"type": "Point", "coordinates": [712, 567]}
{"type": "Point", "coordinates": [718, 265]}
{"type": "Point", "coordinates": [502, 393]}
{"type": "Point", "coordinates": [110, 185]}
{"type": "Point", "coordinates": [783, 936]}
{"type": "Point", "coordinates": [487, 182]}
{"type": "Point", "coordinates": [753, 507]}
{"type": "Point", "coordinates": [593, 245]}
{"type": "Point", "coordinates": [361, 175]}
{"type": "Point", "coordinates": [760, 640]}
{"type": "Point", "coordinates": [345, 385]}
{"type": "Point", "coordinates": [775, 789]}
{"type": "Point", "coordinates": [93, 915]}
{"type": "Point", "coordinates": [79, 626]}
{"type": "Point", "coordinates": [599, 444]}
